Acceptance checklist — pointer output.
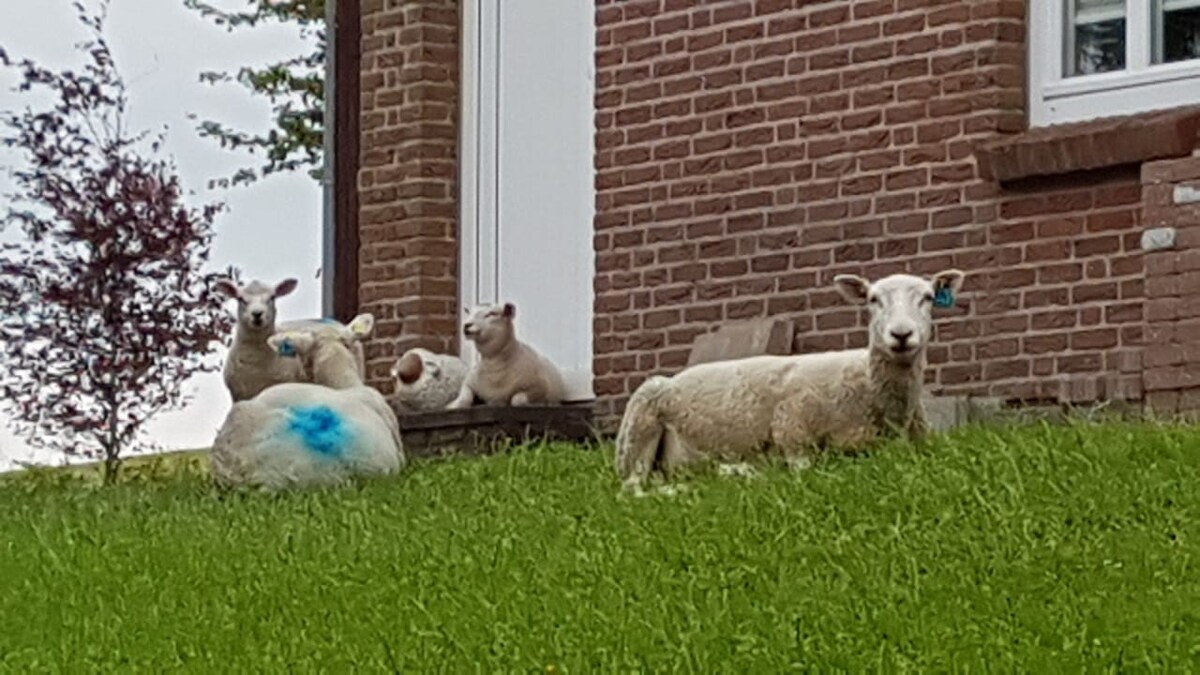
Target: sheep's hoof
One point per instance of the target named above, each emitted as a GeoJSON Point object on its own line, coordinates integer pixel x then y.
{"type": "Point", "coordinates": [670, 490]}
{"type": "Point", "coordinates": [634, 488]}
{"type": "Point", "coordinates": [740, 470]}
{"type": "Point", "coordinates": [799, 464]}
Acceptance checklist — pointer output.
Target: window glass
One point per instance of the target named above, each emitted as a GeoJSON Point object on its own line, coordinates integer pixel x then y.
{"type": "Point", "coordinates": [1095, 36]}
{"type": "Point", "coordinates": [1176, 30]}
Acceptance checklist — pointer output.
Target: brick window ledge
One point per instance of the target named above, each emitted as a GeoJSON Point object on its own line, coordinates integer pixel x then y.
{"type": "Point", "coordinates": [1094, 144]}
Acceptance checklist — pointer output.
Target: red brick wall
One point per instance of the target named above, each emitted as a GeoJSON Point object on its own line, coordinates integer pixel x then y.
{"type": "Point", "coordinates": [747, 151]}
{"type": "Point", "coordinates": [1056, 300]}
{"type": "Point", "coordinates": [1172, 357]}
{"type": "Point", "coordinates": [408, 193]}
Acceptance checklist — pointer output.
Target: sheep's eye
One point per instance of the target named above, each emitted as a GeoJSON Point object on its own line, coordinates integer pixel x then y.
{"type": "Point", "coordinates": [874, 299]}
{"type": "Point", "coordinates": [928, 297]}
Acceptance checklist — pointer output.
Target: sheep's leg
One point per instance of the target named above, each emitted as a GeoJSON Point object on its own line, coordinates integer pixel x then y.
{"type": "Point", "coordinates": [520, 398]}
{"type": "Point", "coordinates": [918, 427]}
{"type": "Point", "coordinates": [794, 430]}
{"type": "Point", "coordinates": [640, 435]}
{"type": "Point", "coordinates": [466, 396]}
{"type": "Point", "coordinates": [738, 470]}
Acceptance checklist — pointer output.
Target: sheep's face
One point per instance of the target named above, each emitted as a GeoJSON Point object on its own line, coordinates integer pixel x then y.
{"type": "Point", "coordinates": [490, 325]}
{"type": "Point", "coordinates": [901, 309]}
{"type": "Point", "coordinates": [256, 301]}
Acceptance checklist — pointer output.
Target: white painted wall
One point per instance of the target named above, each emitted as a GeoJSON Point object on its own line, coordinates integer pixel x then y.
{"type": "Point", "coordinates": [528, 195]}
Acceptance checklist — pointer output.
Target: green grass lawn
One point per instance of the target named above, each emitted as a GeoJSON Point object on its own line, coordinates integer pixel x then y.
{"type": "Point", "coordinates": [1034, 549]}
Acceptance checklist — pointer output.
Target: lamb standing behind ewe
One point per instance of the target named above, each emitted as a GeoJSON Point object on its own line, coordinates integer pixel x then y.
{"type": "Point", "coordinates": [426, 381]}
{"type": "Point", "coordinates": [301, 433]}
{"type": "Point", "coordinates": [509, 372]}
{"type": "Point", "coordinates": [251, 365]}
{"type": "Point", "coordinates": [732, 410]}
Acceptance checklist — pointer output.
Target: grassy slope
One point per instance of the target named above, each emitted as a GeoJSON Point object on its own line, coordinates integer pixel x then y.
{"type": "Point", "coordinates": [1030, 549]}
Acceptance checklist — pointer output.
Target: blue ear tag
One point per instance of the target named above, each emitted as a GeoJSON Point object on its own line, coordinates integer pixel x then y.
{"type": "Point", "coordinates": [944, 297]}
{"type": "Point", "coordinates": [286, 348]}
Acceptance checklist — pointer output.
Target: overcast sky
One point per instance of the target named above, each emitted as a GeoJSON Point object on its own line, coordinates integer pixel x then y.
{"type": "Point", "coordinates": [270, 230]}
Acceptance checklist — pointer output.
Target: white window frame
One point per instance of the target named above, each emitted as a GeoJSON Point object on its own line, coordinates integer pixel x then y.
{"type": "Point", "coordinates": [1141, 87]}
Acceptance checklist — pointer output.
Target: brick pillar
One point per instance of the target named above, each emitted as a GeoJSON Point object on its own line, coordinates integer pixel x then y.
{"type": "Point", "coordinates": [407, 182]}
{"type": "Point", "coordinates": [1171, 373]}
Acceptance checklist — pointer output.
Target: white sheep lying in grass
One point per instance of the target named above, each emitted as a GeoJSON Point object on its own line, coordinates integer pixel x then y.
{"type": "Point", "coordinates": [318, 433]}
{"type": "Point", "coordinates": [733, 410]}
{"type": "Point", "coordinates": [509, 372]}
{"type": "Point", "coordinates": [251, 365]}
{"type": "Point", "coordinates": [426, 381]}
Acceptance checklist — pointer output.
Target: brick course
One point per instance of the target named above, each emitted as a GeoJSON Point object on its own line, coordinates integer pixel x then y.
{"type": "Point", "coordinates": [408, 192]}
{"type": "Point", "coordinates": [1172, 353]}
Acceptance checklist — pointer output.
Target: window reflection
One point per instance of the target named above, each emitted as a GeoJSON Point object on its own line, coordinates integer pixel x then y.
{"type": "Point", "coordinates": [1095, 36]}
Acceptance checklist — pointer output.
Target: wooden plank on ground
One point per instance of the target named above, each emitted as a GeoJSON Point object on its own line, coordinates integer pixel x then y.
{"type": "Point", "coordinates": [745, 338]}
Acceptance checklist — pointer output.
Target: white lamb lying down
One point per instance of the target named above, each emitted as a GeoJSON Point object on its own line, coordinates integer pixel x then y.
{"type": "Point", "coordinates": [509, 372]}
{"type": "Point", "coordinates": [251, 365]}
{"type": "Point", "coordinates": [734, 410]}
{"type": "Point", "coordinates": [321, 433]}
{"type": "Point", "coordinates": [426, 381]}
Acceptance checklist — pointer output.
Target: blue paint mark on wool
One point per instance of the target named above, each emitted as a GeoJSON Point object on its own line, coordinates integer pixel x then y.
{"type": "Point", "coordinates": [944, 297]}
{"type": "Point", "coordinates": [320, 428]}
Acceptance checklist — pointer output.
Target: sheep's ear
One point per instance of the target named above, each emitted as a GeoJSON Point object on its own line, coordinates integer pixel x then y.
{"type": "Point", "coordinates": [408, 368]}
{"type": "Point", "coordinates": [362, 325]}
{"type": "Point", "coordinates": [852, 287]}
{"type": "Point", "coordinates": [285, 287]}
{"type": "Point", "coordinates": [227, 288]}
{"type": "Point", "coordinates": [945, 287]}
{"type": "Point", "coordinates": [950, 279]}
{"type": "Point", "coordinates": [510, 310]}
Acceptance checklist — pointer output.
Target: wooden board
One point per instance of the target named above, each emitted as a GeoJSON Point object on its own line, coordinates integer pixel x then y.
{"type": "Point", "coordinates": [482, 429]}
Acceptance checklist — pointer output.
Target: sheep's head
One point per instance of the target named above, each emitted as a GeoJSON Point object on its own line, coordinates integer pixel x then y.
{"type": "Point", "coordinates": [414, 365]}
{"type": "Point", "coordinates": [408, 368]}
{"type": "Point", "coordinates": [256, 301]}
{"type": "Point", "coordinates": [490, 327]}
{"type": "Point", "coordinates": [326, 349]}
{"type": "Point", "coordinates": [901, 309]}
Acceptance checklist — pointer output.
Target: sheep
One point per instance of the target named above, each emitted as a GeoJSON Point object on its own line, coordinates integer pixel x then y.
{"type": "Point", "coordinates": [251, 366]}
{"type": "Point", "coordinates": [732, 410]}
{"type": "Point", "coordinates": [426, 381]}
{"type": "Point", "coordinates": [310, 433]}
{"type": "Point", "coordinates": [508, 372]}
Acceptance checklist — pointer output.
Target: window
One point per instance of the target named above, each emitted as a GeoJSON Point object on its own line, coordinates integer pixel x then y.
{"type": "Point", "coordinates": [1100, 58]}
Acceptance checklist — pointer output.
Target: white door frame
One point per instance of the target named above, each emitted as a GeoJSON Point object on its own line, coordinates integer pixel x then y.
{"type": "Point", "coordinates": [479, 184]}
{"type": "Point", "coordinates": [477, 164]}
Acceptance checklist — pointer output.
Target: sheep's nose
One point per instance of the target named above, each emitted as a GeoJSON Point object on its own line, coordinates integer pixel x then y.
{"type": "Point", "coordinates": [902, 336]}
{"type": "Point", "coordinates": [467, 328]}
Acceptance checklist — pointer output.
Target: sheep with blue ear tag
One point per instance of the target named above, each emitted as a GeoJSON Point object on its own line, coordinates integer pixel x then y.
{"type": "Point", "coordinates": [251, 364]}
{"type": "Point", "coordinates": [735, 410]}
{"type": "Point", "coordinates": [311, 433]}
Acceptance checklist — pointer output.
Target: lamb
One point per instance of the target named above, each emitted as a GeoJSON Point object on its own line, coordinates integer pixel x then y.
{"type": "Point", "coordinates": [509, 372]}
{"type": "Point", "coordinates": [733, 410]}
{"type": "Point", "coordinates": [252, 365]}
{"type": "Point", "coordinates": [319, 433]}
{"type": "Point", "coordinates": [426, 381]}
